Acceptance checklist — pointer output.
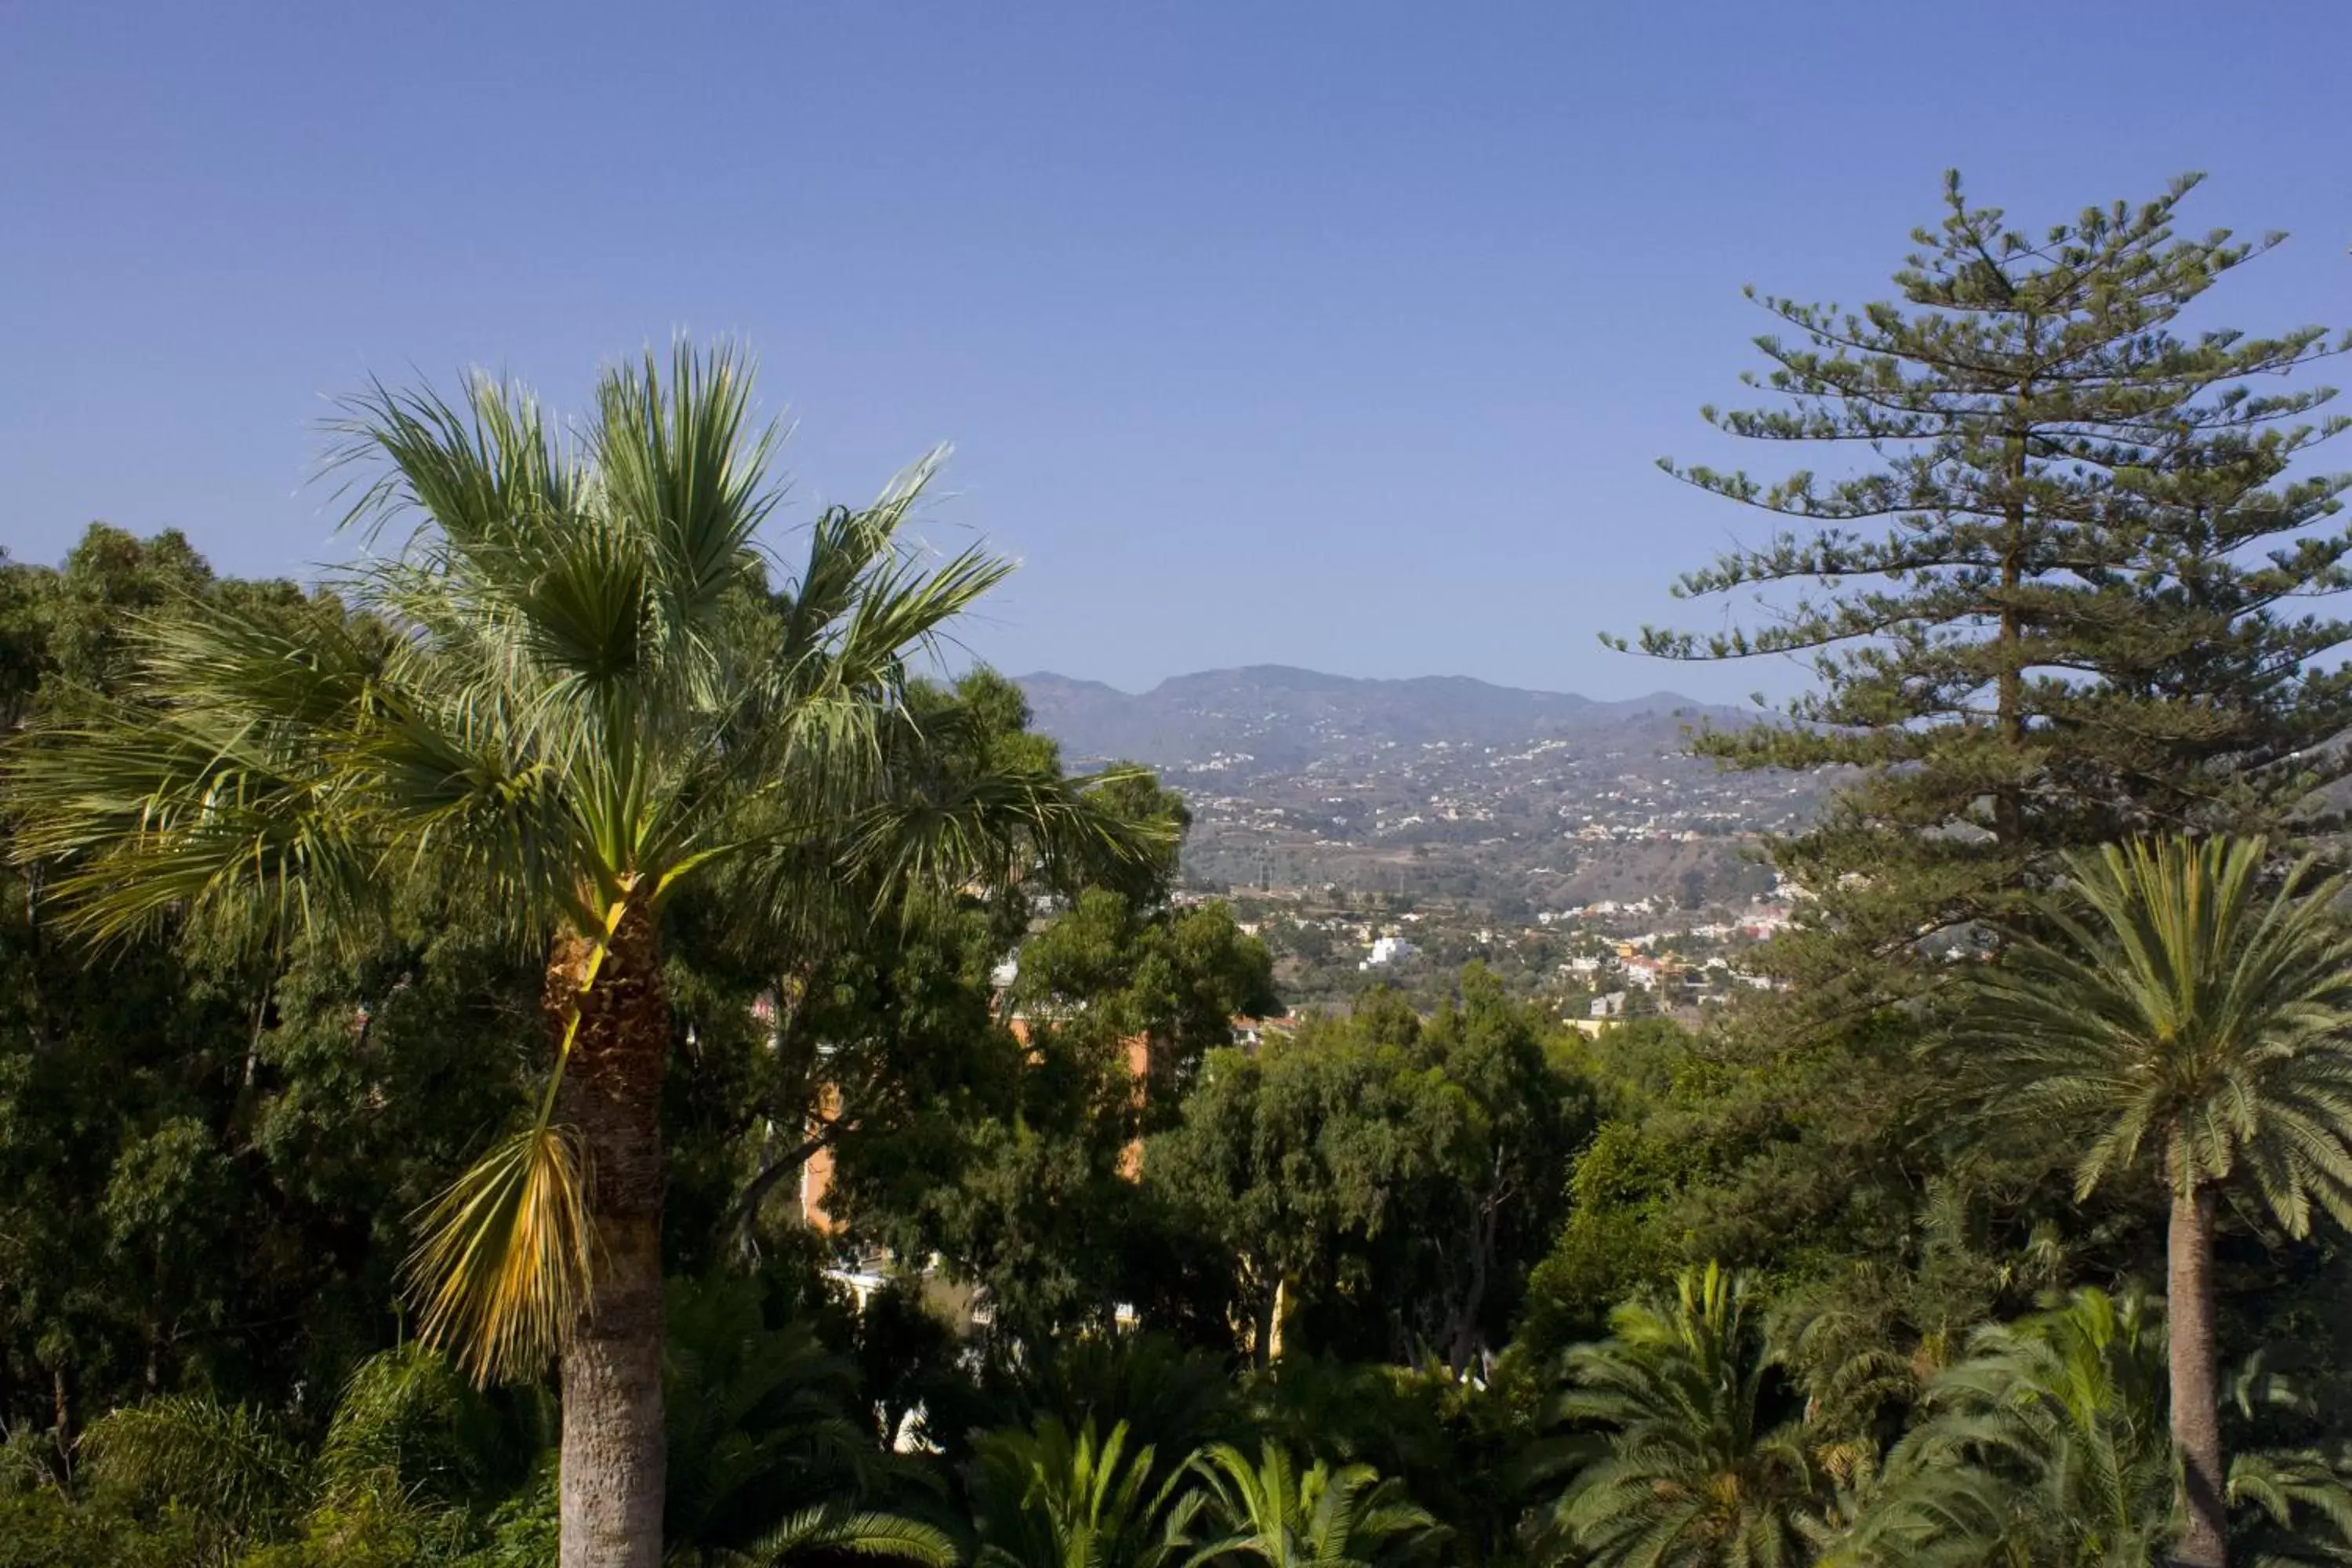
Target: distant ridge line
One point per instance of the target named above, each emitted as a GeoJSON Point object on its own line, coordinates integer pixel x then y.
{"type": "Point", "coordinates": [1253, 719]}
{"type": "Point", "coordinates": [1292, 672]}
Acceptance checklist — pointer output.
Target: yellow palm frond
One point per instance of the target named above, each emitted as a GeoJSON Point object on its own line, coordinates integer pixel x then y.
{"type": "Point", "coordinates": [504, 1257]}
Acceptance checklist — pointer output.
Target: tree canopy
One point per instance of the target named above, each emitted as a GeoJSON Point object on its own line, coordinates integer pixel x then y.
{"type": "Point", "coordinates": [839, 1130]}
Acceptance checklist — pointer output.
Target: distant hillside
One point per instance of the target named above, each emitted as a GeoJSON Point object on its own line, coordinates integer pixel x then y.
{"type": "Point", "coordinates": [1280, 719]}
{"type": "Point", "coordinates": [1441, 786]}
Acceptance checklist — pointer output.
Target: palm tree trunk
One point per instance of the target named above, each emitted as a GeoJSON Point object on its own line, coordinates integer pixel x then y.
{"type": "Point", "coordinates": [2195, 1390]}
{"type": "Point", "coordinates": [614, 1457]}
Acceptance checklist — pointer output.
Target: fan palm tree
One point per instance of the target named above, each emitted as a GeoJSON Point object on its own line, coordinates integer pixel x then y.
{"type": "Point", "coordinates": [569, 690]}
{"type": "Point", "coordinates": [1272, 1512]}
{"type": "Point", "coordinates": [2179, 1012]}
{"type": "Point", "coordinates": [1694, 1471]}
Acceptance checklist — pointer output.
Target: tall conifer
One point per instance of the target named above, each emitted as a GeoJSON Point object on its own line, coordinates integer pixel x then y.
{"type": "Point", "coordinates": [2066, 594]}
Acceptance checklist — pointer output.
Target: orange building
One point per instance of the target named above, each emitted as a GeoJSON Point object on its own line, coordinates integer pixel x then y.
{"type": "Point", "coordinates": [816, 1172]}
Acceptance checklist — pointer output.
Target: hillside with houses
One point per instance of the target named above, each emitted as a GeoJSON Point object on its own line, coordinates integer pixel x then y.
{"type": "Point", "coordinates": [1509, 800]}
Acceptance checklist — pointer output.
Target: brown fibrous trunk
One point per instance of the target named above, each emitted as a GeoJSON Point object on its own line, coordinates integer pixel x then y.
{"type": "Point", "coordinates": [2196, 1389]}
{"type": "Point", "coordinates": [615, 1455]}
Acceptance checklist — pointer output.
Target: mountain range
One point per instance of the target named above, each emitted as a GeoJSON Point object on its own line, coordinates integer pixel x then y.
{"type": "Point", "coordinates": [1441, 785]}
{"type": "Point", "coordinates": [1278, 719]}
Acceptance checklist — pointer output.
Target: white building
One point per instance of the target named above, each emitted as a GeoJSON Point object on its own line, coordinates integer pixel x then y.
{"type": "Point", "coordinates": [1610, 1006]}
{"type": "Point", "coordinates": [1648, 974]}
{"type": "Point", "coordinates": [1387, 950]}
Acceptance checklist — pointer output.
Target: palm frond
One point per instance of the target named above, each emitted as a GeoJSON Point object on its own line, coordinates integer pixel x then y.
{"type": "Point", "coordinates": [820, 1532]}
{"type": "Point", "coordinates": [221, 794]}
{"type": "Point", "coordinates": [1690, 1465]}
{"type": "Point", "coordinates": [1051, 1498]}
{"type": "Point", "coordinates": [846, 547]}
{"type": "Point", "coordinates": [408, 1423]}
{"type": "Point", "coordinates": [2177, 1013]}
{"type": "Point", "coordinates": [2046, 1441]}
{"type": "Point", "coordinates": [504, 1259]}
{"type": "Point", "coordinates": [1270, 1510]}
{"type": "Point", "coordinates": [677, 459]}
{"type": "Point", "coordinates": [466, 471]}
{"type": "Point", "coordinates": [2302, 1503]}
{"type": "Point", "coordinates": [984, 826]}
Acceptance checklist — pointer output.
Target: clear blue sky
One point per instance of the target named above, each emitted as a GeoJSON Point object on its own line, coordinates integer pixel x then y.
{"type": "Point", "coordinates": [1336, 334]}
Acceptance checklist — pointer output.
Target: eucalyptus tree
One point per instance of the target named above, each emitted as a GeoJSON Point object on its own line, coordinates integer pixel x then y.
{"type": "Point", "coordinates": [1381, 1186]}
{"type": "Point", "coordinates": [2187, 1012]}
{"type": "Point", "coordinates": [566, 684]}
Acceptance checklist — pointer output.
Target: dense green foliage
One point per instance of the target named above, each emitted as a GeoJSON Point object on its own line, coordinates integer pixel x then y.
{"type": "Point", "coordinates": [1382, 1183]}
{"type": "Point", "coordinates": [2062, 574]}
{"type": "Point", "coordinates": [989, 1238]}
{"type": "Point", "coordinates": [1700, 1466]}
{"type": "Point", "coordinates": [207, 1154]}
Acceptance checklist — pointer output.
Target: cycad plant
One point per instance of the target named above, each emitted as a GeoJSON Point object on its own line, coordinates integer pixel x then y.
{"type": "Point", "coordinates": [2046, 1444]}
{"type": "Point", "coordinates": [1270, 1512]}
{"type": "Point", "coordinates": [2188, 1012]}
{"type": "Point", "coordinates": [566, 692]}
{"type": "Point", "coordinates": [1695, 1467]}
{"type": "Point", "coordinates": [828, 1534]}
{"type": "Point", "coordinates": [2043, 1445]}
{"type": "Point", "coordinates": [761, 1420]}
{"type": "Point", "coordinates": [1176, 1399]}
{"type": "Point", "coordinates": [1048, 1496]}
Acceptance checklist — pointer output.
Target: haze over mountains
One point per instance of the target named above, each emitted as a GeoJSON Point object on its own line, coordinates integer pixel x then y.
{"type": "Point", "coordinates": [1442, 785]}
{"type": "Point", "coordinates": [1275, 719]}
